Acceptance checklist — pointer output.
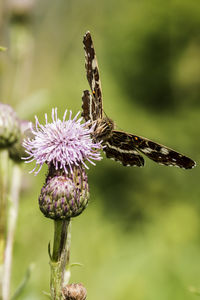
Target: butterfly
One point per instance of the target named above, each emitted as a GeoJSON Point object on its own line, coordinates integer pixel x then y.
{"type": "Point", "coordinates": [119, 145]}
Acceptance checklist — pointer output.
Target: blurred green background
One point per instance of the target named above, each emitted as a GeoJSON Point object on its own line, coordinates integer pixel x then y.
{"type": "Point", "coordinates": [139, 238]}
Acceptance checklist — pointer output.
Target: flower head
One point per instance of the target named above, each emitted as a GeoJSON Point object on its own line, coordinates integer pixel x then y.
{"type": "Point", "coordinates": [61, 143]}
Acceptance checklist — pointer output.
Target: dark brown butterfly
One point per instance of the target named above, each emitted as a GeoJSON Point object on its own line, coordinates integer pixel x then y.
{"type": "Point", "coordinates": [119, 145]}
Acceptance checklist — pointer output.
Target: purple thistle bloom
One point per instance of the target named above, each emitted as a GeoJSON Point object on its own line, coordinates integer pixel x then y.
{"type": "Point", "coordinates": [62, 143]}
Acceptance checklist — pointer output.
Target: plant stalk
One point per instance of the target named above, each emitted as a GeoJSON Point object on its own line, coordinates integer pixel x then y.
{"type": "Point", "coordinates": [3, 212]}
{"type": "Point", "coordinates": [12, 220]}
{"type": "Point", "coordinates": [59, 258]}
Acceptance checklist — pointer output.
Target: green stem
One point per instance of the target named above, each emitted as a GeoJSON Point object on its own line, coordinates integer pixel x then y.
{"type": "Point", "coordinates": [59, 258]}
{"type": "Point", "coordinates": [11, 221]}
{"type": "Point", "coordinates": [3, 200]}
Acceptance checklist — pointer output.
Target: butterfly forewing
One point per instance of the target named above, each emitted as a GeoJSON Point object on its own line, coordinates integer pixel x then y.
{"type": "Point", "coordinates": [162, 154]}
{"type": "Point", "coordinates": [129, 143]}
{"type": "Point", "coordinates": [120, 145]}
{"type": "Point", "coordinates": [92, 72]}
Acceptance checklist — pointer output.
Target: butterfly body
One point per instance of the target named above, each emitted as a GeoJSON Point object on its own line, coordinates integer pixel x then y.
{"type": "Point", "coordinates": [119, 145]}
{"type": "Point", "coordinates": [92, 112]}
{"type": "Point", "coordinates": [103, 130]}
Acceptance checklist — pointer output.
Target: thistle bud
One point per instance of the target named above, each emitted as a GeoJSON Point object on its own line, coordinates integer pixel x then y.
{"type": "Point", "coordinates": [20, 10]}
{"type": "Point", "coordinates": [17, 151]}
{"type": "Point", "coordinates": [9, 126]}
{"type": "Point", "coordinates": [74, 291]}
{"type": "Point", "coordinates": [64, 196]}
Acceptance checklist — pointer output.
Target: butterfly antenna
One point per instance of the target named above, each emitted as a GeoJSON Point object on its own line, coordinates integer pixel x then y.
{"type": "Point", "coordinates": [105, 113]}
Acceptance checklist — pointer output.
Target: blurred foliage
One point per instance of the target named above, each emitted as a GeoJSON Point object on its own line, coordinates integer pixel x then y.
{"type": "Point", "coordinates": [157, 53]}
{"type": "Point", "coordinates": [140, 236]}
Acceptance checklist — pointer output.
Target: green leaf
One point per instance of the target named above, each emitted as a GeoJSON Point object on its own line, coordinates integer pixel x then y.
{"type": "Point", "coordinates": [47, 294]}
{"type": "Point", "coordinates": [76, 265]}
{"type": "Point", "coordinates": [23, 283]}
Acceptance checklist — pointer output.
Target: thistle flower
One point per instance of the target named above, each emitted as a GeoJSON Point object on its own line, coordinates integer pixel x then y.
{"type": "Point", "coordinates": [63, 144]}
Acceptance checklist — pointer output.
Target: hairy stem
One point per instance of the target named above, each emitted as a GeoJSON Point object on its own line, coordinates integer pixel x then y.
{"type": "Point", "coordinates": [59, 258]}
{"type": "Point", "coordinates": [12, 219]}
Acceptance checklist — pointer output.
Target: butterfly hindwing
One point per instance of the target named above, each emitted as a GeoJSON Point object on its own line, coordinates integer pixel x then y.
{"type": "Point", "coordinates": [88, 106]}
{"type": "Point", "coordinates": [131, 158]}
{"type": "Point", "coordinates": [120, 147]}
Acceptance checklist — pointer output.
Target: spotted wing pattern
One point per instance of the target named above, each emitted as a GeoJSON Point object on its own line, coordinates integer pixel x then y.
{"type": "Point", "coordinates": [92, 72]}
{"type": "Point", "coordinates": [121, 145]}
{"type": "Point", "coordinates": [127, 158]}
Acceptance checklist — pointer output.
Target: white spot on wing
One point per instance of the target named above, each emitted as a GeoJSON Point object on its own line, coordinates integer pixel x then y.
{"type": "Point", "coordinates": [147, 150]}
{"type": "Point", "coordinates": [93, 83]}
{"type": "Point", "coordinates": [90, 113]}
{"type": "Point", "coordinates": [94, 64]}
{"type": "Point", "coordinates": [122, 150]}
{"type": "Point", "coordinates": [164, 151]}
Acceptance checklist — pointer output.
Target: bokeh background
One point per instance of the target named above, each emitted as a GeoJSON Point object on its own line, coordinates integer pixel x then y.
{"type": "Point", "coordinates": [139, 238]}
